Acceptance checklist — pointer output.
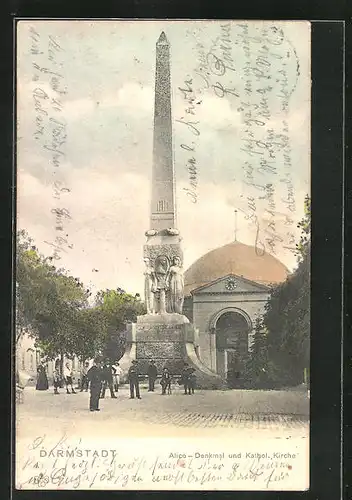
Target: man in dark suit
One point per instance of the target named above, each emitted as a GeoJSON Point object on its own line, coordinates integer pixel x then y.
{"type": "Point", "coordinates": [95, 377]}
{"type": "Point", "coordinates": [133, 377]}
{"type": "Point", "coordinates": [152, 374]}
{"type": "Point", "coordinates": [185, 378]}
{"type": "Point", "coordinates": [107, 381]}
{"type": "Point", "coordinates": [192, 381]}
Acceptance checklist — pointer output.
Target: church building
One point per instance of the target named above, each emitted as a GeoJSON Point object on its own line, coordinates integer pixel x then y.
{"type": "Point", "coordinates": [225, 291]}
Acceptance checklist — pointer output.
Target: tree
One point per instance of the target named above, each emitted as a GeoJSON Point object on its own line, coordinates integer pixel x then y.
{"type": "Point", "coordinates": [118, 308]}
{"type": "Point", "coordinates": [303, 247]}
{"type": "Point", "coordinates": [31, 284]}
{"type": "Point", "coordinates": [48, 301]}
{"type": "Point", "coordinates": [287, 316]}
{"type": "Point", "coordinates": [53, 307]}
{"type": "Point", "coordinates": [90, 327]}
{"type": "Point", "coordinates": [255, 369]}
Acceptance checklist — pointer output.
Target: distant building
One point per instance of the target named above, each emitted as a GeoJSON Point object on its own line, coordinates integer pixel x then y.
{"type": "Point", "coordinates": [28, 358]}
{"type": "Point", "coordinates": [225, 291]}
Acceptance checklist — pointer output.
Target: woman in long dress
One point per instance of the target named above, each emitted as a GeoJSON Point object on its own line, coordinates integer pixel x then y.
{"type": "Point", "coordinates": [176, 286]}
{"type": "Point", "coordinates": [42, 379]}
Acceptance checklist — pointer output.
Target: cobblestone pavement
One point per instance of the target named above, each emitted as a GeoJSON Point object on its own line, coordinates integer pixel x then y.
{"type": "Point", "coordinates": [205, 410]}
{"type": "Point", "coordinates": [155, 428]}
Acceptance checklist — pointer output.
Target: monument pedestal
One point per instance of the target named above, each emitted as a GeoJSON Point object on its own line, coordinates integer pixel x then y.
{"type": "Point", "coordinates": [170, 340]}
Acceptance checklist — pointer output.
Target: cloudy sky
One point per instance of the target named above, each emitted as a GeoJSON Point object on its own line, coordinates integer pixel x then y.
{"type": "Point", "coordinates": [85, 97]}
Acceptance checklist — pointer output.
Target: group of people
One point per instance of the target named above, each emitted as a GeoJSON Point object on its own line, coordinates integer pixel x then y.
{"type": "Point", "coordinates": [110, 378]}
{"type": "Point", "coordinates": [188, 378]}
{"type": "Point", "coordinates": [96, 378]}
{"type": "Point", "coordinates": [43, 383]}
{"type": "Point", "coordinates": [103, 375]}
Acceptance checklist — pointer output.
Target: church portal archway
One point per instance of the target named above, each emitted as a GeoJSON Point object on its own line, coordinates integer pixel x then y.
{"type": "Point", "coordinates": [232, 327]}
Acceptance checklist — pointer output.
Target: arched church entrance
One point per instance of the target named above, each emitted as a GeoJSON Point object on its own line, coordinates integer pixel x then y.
{"type": "Point", "coordinates": [232, 329]}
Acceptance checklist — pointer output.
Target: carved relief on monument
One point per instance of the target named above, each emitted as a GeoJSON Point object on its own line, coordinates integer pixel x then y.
{"type": "Point", "coordinates": [152, 333]}
{"type": "Point", "coordinates": [168, 250]}
{"type": "Point", "coordinates": [162, 206]}
{"type": "Point", "coordinates": [163, 350]}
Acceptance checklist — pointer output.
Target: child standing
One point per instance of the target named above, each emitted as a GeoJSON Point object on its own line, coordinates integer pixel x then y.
{"type": "Point", "coordinates": [165, 381]}
{"type": "Point", "coordinates": [69, 379]}
{"type": "Point", "coordinates": [56, 381]}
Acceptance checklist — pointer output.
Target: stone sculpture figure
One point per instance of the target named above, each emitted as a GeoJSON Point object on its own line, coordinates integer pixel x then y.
{"type": "Point", "coordinates": [176, 287]}
{"type": "Point", "coordinates": [149, 286]}
{"type": "Point", "coordinates": [161, 274]}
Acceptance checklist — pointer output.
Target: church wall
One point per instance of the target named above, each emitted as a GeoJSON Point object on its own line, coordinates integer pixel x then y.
{"type": "Point", "coordinates": [206, 306]}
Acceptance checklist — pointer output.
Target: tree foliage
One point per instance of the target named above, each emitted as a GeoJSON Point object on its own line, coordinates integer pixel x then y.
{"type": "Point", "coordinates": [53, 307]}
{"type": "Point", "coordinates": [117, 308]}
{"type": "Point", "coordinates": [48, 300]}
{"type": "Point", "coordinates": [287, 319]}
{"type": "Point", "coordinates": [280, 350]}
{"type": "Point", "coordinates": [256, 366]}
{"type": "Point", "coordinates": [287, 315]}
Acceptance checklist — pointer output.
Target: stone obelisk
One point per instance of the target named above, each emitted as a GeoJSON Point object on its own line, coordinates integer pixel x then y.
{"type": "Point", "coordinates": [163, 210]}
{"type": "Point", "coordinates": [162, 251]}
{"type": "Point", "coordinates": [164, 334]}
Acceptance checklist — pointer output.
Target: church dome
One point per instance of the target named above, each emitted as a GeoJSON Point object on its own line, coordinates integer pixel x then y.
{"type": "Point", "coordinates": [234, 258]}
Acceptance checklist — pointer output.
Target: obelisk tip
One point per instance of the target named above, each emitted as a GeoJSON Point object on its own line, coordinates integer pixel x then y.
{"type": "Point", "coordinates": [162, 39]}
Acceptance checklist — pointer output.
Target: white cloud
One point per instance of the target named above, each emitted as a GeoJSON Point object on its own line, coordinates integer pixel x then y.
{"type": "Point", "coordinates": [132, 96]}
{"type": "Point", "coordinates": [217, 112]}
{"type": "Point", "coordinates": [76, 109]}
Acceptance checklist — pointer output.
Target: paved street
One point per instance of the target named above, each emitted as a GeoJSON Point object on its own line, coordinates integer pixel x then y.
{"type": "Point", "coordinates": [164, 415]}
{"type": "Point", "coordinates": [152, 429]}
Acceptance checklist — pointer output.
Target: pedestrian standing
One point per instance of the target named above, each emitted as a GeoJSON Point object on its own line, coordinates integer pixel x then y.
{"type": "Point", "coordinates": [107, 381]}
{"type": "Point", "coordinates": [84, 380]}
{"type": "Point", "coordinates": [192, 381]}
{"type": "Point", "coordinates": [56, 380]}
{"type": "Point", "coordinates": [133, 377]}
{"type": "Point", "coordinates": [165, 381]}
{"type": "Point", "coordinates": [68, 375]}
{"type": "Point", "coordinates": [95, 377]}
{"type": "Point", "coordinates": [117, 371]}
{"type": "Point", "coordinates": [185, 378]}
{"type": "Point", "coordinates": [42, 379]}
{"type": "Point", "coordinates": [152, 375]}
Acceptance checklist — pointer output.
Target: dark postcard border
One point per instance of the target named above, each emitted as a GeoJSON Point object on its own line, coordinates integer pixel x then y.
{"type": "Point", "coordinates": [183, 9]}
{"type": "Point", "coordinates": [347, 317]}
{"type": "Point", "coordinates": [327, 169]}
{"type": "Point", "coordinates": [327, 199]}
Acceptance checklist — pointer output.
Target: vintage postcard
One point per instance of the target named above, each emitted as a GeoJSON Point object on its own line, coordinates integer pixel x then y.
{"type": "Point", "coordinates": [163, 253]}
